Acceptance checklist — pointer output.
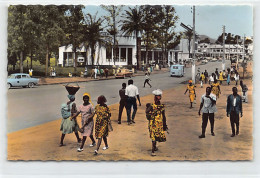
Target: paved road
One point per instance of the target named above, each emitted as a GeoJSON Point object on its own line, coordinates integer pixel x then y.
{"type": "Point", "coordinates": [31, 107]}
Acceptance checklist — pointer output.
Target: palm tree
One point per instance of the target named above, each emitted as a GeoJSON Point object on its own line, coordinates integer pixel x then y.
{"type": "Point", "coordinates": [93, 37]}
{"type": "Point", "coordinates": [132, 23]}
{"type": "Point", "coordinates": [188, 35]}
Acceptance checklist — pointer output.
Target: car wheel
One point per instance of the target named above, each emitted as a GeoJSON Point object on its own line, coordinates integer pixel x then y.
{"type": "Point", "coordinates": [8, 86]}
{"type": "Point", "coordinates": [31, 85]}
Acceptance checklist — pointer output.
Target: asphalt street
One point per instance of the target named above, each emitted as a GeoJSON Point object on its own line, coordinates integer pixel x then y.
{"type": "Point", "coordinates": [29, 107]}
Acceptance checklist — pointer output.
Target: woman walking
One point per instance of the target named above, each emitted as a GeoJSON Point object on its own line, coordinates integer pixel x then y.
{"type": "Point", "coordinates": [87, 113]}
{"type": "Point", "coordinates": [101, 126]}
{"type": "Point", "coordinates": [157, 122]}
{"type": "Point", "coordinates": [228, 78]}
{"type": "Point", "coordinates": [215, 88]}
{"type": "Point", "coordinates": [202, 78]}
{"type": "Point", "coordinates": [221, 77]}
{"type": "Point", "coordinates": [69, 125]}
{"type": "Point", "coordinates": [192, 93]}
{"type": "Point", "coordinates": [236, 77]}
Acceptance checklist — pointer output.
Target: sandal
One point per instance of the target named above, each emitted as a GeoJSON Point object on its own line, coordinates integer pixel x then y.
{"type": "Point", "coordinates": [153, 154]}
{"type": "Point", "coordinates": [61, 144]}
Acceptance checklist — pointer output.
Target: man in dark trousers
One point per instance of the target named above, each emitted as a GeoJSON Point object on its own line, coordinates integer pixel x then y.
{"type": "Point", "coordinates": [146, 80]}
{"type": "Point", "coordinates": [123, 101]}
{"type": "Point", "coordinates": [234, 107]}
{"type": "Point", "coordinates": [206, 74]}
{"type": "Point", "coordinates": [131, 92]}
{"type": "Point", "coordinates": [208, 106]}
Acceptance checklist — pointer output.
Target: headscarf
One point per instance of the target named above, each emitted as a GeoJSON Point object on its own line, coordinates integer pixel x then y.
{"type": "Point", "coordinates": [157, 92]}
{"type": "Point", "coordinates": [87, 94]}
{"type": "Point", "coordinates": [71, 97]}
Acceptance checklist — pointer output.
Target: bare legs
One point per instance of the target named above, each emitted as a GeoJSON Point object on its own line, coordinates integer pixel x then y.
{"type": "Point", "coordinates": [154, 148]}
{"type": "Point", "coordinates": [84, 140]}
{"type": "Point", "coordinates": [63, 136]}
{"type": "Point", "coordinates": [99, 143]}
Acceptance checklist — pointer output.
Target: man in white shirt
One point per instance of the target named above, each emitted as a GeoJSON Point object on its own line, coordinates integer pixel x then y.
{"type": "Point", "coordinates": [208, 107]}
{"type": "Point", "coordinates": [131, 92]}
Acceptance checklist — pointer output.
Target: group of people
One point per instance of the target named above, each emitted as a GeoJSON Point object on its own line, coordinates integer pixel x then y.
{"type": "Point", "coordinates": [155, 114]}
{"type": "Point", "coordinates": [209, 99]}
{"type": "Point", "coordinates": [101, 72]}
{"type": "Point", "coordinates": [219, 76]}
{"type": "Point", "coordinates": [69, 122]}
{"type": "Point", "coordinates": [208, 108]}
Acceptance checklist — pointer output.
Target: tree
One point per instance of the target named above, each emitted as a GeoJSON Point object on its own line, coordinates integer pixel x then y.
{"type": "Point", "coordinates": [52, 22]}
{"type": "Point", "coordinates": [93, 37]}
{"type": "Point", "coordinates": [17, 18]}
{"type": "Point", "coordinates": [112, 21]}
{"type": "Point", "coordinates": [166, 34]}
{"type": "Point", "coordinates": [74, 29]}
{"type": "Point", "coordinates": [206, 40]}
{"type": "Point", "coordinates": [149, 26]}
{"type": "Point", "coordinates": [188, 35]}
{"type": "Point", "coordinates": [132, 23]}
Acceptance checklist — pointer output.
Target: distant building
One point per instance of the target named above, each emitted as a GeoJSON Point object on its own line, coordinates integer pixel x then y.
{"type": "Point", "coordinates": [125, 54]}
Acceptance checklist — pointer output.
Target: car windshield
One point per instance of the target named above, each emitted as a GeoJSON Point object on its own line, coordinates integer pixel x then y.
{"type": "Point", "coordinates": [11, 76]}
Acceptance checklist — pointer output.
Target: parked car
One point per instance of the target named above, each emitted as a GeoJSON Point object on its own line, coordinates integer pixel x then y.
{"type": "Point", "coordinates": [177, 70]}
{"type": "Point", "coordinates": [204, 61]}
{"type": "Point", "coordinates": [124, 73]}
{"type": "Point", "coordinates": [214, 60]}
{"type": "Point", "coordinates": [21, 80]}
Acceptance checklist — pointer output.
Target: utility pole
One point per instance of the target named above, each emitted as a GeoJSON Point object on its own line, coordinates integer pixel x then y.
{"type": "Point", "coordinates": [237, 53]}
{"type": "Point", "coordinates": [243, 62]}
{"type": "Point", "coordinates": [193, 48]}
{"type": "Point", "coordinates": [223, 60]}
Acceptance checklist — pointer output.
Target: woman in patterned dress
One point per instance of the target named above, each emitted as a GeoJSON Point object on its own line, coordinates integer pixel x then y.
{"type": "Point", "coordinates": [157, 121]}
{"type": "Point", "coordinates": [215, 88]}
{"type": "Point", "coordinates": [192, 93]}
{"type": "Point", "coordinates": [87, 113]}
{"type": "Point", "coordinates": [101, 126]}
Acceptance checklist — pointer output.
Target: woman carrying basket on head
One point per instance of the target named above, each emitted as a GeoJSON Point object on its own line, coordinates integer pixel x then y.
{"type": "Point", "coordinates": [155, 113]}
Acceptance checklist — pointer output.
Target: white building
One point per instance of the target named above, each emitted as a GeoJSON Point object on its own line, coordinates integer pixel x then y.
{"type": "Point", "coordinates": [216, 50]}
{"type": "Point", "coordinates": [125, 54]}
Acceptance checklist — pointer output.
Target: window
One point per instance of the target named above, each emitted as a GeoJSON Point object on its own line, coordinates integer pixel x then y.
{"type": "Point", "coordinates": [18, 76]}
{"type": "Point", "coordinates": [117, 55]}
{"type": "Point", "coordinates": [24, 76]}
{"type": "Point", "coordinates": [123, 55]}
{"type": "Point", "coordinates": [108, 54]}
{"type": "Point", "coordinates": [174, 67]}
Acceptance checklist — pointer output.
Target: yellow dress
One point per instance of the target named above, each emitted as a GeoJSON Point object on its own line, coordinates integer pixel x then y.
{"type": "Point", "coordinates": [156, 123]}
{"type": "Point", "coordinates": [202, 77]}
{"type": "Point", "coordinates": [221, 76]}
{"type": "Point", "coordinates": [191, 92]}
{"type": "Point", "coordinates": [215, 89]}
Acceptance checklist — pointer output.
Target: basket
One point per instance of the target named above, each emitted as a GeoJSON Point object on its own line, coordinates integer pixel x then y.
{"type": "Point", "coordinates": [72, 89]}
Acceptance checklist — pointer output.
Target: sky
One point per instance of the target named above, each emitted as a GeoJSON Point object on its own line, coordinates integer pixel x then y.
{"type": "Point", "coordinates": [238, 19]}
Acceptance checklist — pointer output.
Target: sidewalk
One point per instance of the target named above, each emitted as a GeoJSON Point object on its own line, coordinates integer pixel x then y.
{"type": "Point", "coordinates": [133, 143]}
{"type": "Point", "coordinates": [60, 80]}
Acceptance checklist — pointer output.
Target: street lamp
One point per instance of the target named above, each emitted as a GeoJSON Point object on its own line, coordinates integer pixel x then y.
{"type": "Point", "coordinates": [193, 50]}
